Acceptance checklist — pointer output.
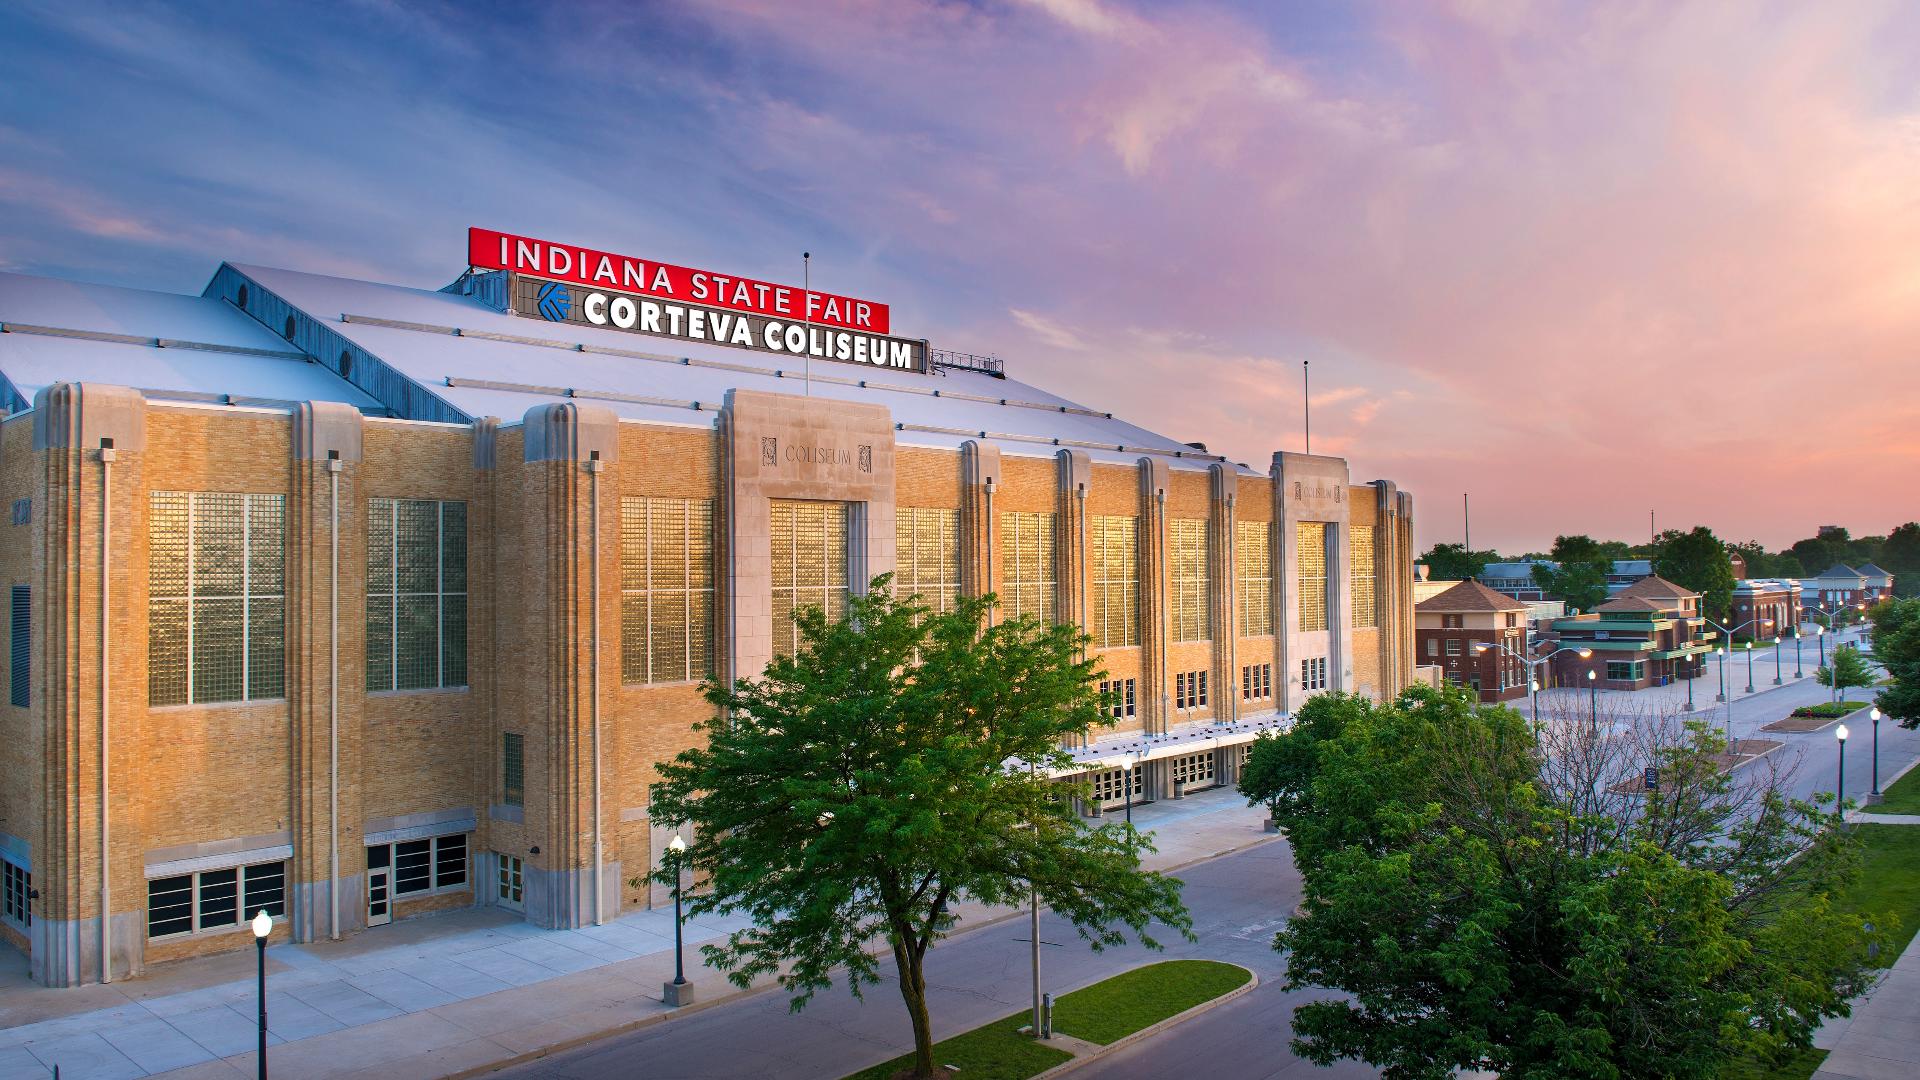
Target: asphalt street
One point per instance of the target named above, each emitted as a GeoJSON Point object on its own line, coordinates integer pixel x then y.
{"type": "Point", "coordinates": [1237, 903]}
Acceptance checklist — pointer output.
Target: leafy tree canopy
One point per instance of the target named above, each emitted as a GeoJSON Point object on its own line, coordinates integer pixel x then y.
{"type": "Point", "coordinates": [1452, 562]}
{"type": "Point", "coordinates": [1581, 577]}
{"type": "Point", "coordinates": [853, 789]}
{"type": "Point", "coordinates": [1698, 560]}
{"type": "Point", "coordinates": [1901, 549]}
{"type": "Point", "coordinates": [1896, 645]}
{"type": "Point", "coordinates": [1489, 902]}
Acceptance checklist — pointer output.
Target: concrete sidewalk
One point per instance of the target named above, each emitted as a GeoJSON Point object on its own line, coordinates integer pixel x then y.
{"type": "Point", "coordinates": [433, 996]}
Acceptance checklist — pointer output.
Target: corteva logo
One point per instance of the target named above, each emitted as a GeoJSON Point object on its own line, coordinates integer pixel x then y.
{"type": "Point", "coordinates": [553, 302]}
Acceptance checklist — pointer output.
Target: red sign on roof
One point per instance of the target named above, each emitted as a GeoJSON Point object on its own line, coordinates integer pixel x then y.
{"type": "Point", "coordinates": [491, 250]}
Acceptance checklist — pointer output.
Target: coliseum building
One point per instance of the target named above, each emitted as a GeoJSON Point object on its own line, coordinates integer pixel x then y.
{"type": "Point", "coordinates": [355, 601]}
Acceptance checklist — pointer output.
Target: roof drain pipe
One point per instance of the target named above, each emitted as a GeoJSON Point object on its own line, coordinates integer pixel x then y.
{"type": "Point", "coordinates": [334, 466]}
{"type": "Point", "coordinates": [594, 466]}
{"type": "Point", "coordinates": [1165, 618]}
{"type": "Point", "coordinates": [106, 639]}
{"type": "Point", "coordinates": [988, 537]}
{"type": "Point", "coordinates": [1086, 573]}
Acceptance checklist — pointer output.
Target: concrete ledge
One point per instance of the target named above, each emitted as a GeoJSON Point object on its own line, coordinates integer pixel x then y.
{"type": "Point", "coordinates": [1148, 1032]}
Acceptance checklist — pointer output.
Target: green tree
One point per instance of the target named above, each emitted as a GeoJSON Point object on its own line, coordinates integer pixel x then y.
{"type": "Point", "coordinates": [1813, 554]}
{"type": "Point", "coordinates": [855, 788]}
{"type": "Point", "coordinates": [1452, 562]}
{"type": "Point", "coordinates": [1698, 561]}
{"type": "Point", "coordinates": [1901, 549]}
{"type": "Point", "coordinates": [1581, 577]}
{"type": "Point", "coordinates": [1848, 669]}
{"type": "Point", "coordinates": [1538, 914]}
{"type": "Point", "coordinates": [1896, 645]}
{"type": "Point", "coordinates": [1278, 769]}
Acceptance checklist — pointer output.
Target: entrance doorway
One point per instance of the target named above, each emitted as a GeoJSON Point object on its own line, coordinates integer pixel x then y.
{"type": "Point", "coordinates": [511, 882]}
{"type": "Point", "coordinates": [379, 895]}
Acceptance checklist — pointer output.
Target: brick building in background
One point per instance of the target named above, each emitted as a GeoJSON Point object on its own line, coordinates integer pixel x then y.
{"type": "Point", "coordinates": [1447, 627]}
{"type": "Point", "coordinates": [1650, 634]}
{"type": "Point", "coordinates": [352, 601]}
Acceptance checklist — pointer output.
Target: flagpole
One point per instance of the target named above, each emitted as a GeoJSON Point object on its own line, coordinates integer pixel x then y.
{"type": "Point", "coordinates": [1306, 403]}
{"type": "Point", "coordinates": [806, 313]}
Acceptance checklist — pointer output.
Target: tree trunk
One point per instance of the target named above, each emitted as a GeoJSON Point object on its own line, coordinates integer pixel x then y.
{"type": "Point", "coordinates": [913, 989]}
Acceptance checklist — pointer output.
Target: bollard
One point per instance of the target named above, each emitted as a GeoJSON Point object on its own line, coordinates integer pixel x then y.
{"type": "Point", "coordinates": [1046, 1016]}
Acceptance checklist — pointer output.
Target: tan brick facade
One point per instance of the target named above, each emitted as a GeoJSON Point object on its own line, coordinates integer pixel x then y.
{"type": "Point", "coordinates": [329, 766]}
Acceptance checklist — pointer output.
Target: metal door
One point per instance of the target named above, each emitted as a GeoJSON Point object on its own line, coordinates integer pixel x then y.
{"type": "Point", "coordinates": [379, 896]}
{"type": "Point", "coordinates": [511, 882]}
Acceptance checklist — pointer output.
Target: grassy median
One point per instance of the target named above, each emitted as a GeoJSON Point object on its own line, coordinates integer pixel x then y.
{"type": "Point", "coordinates": [1103, 1013]}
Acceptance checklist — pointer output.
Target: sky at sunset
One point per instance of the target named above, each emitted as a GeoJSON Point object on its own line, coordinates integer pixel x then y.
{"type": "Point", "coordinates": [1583, 261]}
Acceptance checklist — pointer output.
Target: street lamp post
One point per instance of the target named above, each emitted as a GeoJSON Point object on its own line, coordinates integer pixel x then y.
{"type": "Point", "coordinates": [262, 926]}
{"type": "Point", "coordinates": [1749, 665]}
{"type": "Point", "coordinates": [1778, 668]}
{"type": "Point", "coordinates": [679, 991]}
{"type": "Point", "coordinates": [1840, 797]}
{"type": "Point", "coordinates": [1533, 673]}
{"type": "Point", "coordinates": [1875, 717]}
{"type": "Point", "coordinates": [1593, 691]}
{"type": "Point", "coordinates": [1798, 671]}
{"type": "Point", "coordinates": [1696, 673]}
{"type": "Point", "coordinates": [1720, 661]}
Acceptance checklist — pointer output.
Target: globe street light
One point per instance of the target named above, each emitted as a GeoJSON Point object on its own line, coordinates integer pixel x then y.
{"type": "Point", "coordinates": [262, 926]}
{"type": "Point", "coordinates": [1798, 672]}
{"type": "Point", "coordinates": [1720, 659]}
{"type": "Point", "coordinates": [1840, 797]}
{"type": "Point", "coordinates": [1778, 671]}
{"type": "Point", "coordinates": [1749, 665]}
{"type": "Point", "coordinates": [1593, 690]}
{"type": "Point", "coordinates": [678, 991]}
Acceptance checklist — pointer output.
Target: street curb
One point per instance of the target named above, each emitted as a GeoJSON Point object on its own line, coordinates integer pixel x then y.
{"type": "Point", "coordinates": [627, 1028]}
{"type": "Point", "coordinates": [1066, 1067]}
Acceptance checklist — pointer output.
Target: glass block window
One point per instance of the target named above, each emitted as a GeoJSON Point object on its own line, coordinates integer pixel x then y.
{"type": "Point", "coordinates": [1116, 581]}
{"type": "Point", "coordinates": [927, 554]}
{"type": "Point", "coordinates": [1360, 558]}
{"type": "Point", "coordinates": [513, 769]}
{"type": "Point", "coordinates": [216, 614]}
{"type": "Point", "coordinates": [1311, 563]}
{"type": "Point", "coordinates": [1253, 558]}
{"type": "Point", "coordinates": [809, 565]}
{"type": "Point", "coordinates": [416, 594]}
{"type": "Point", "coordinates": [666, 590]}
{"type": "Point", "coordinates": [20, 655]}
{"type": "Point", "coordinates": [423, 865]}
{"type": "Point", "coordinates": [1187, 568]}
{"type": "Point", "coordinates": [212, 899]}
{"type": "Point", "coordinates": [1028, 571]}
{"type": "Point", "coordinates": [15, 884]}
